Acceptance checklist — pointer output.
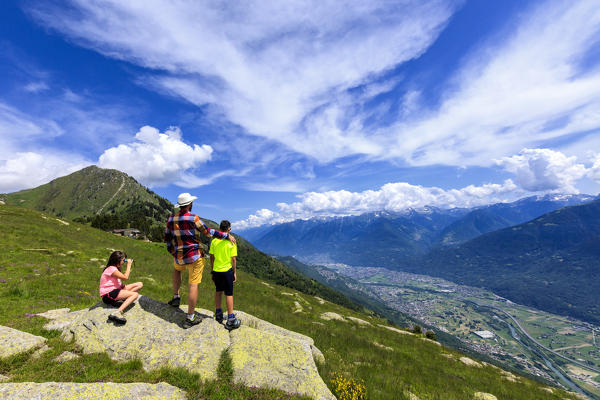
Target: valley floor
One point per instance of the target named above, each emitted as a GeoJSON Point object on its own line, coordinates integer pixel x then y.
{"type": "Point", "coordinates": [559, 349]}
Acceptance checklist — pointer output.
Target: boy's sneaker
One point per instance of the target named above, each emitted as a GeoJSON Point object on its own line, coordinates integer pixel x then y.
{"type": "Point", "coordinates": [188, 323]}
{"type": "Point", "coordinates": [174, 302]}
{"type": "Point", "coordinates": [118, 318]}
{"type": "Point", "coordinates": [232, 323]}
{"type": "Point", "coordinates": [219, 317]}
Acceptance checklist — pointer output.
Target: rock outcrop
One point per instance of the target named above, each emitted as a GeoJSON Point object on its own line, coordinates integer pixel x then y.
{"type": "Point", "coordinates": [90, 391]}
{"type": "Point", "coordinates": [262, 354]}
{"type": "Point", "coordinates": [13, 341]}
{"type": "Point", "coordinates": [484, 396]}
{"type": "Point", "coordinates": [470, 362]}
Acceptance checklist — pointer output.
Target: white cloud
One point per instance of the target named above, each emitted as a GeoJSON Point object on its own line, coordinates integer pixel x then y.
{"type": "Point", "coordinates": [156, 158]}
{"type": "Point", "coordinates": [524, 91]}
{"type": "Point", "coordinates": [17, 127]}
{"type": "Point", "coordinates": [594, 171]}
{"type": "Point", "coordinates": [544, 170]}
{"type": "Point", "coordinates": [36, 87]}
{"type": "Point", "coordinates": [282, 70]}
{"type": "Point", "coordinates": [536, 171]}
{"type": "Point", "coordinates": [266, 65]}
{"type": "Point", "coordinates": [189, 180]}
{"type": "Point", "coordinates": [28, 170]}
{"type": "Point", "coordinates": [390, 197]}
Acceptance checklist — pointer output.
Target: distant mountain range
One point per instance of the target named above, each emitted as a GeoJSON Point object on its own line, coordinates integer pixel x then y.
{"type": "Point", "coordinates": [539, 251]}
{"type": "Point", "coordinates": [389, 239]}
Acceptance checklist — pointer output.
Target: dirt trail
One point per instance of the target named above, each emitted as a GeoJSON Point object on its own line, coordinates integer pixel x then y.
{"type": "Point", "coordinates": [113, 196]}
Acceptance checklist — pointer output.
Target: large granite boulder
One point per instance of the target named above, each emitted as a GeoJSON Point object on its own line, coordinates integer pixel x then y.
{"type": "Point", "coordinates": [90, 391]}
{"type": "Point", "coordinates": [263, 354]}
{"type": "Point", "coordinates": [153, 334]}
{"type": "Point", "coordinates": [13, 341]}
{"type": "Point", "coordinates": [263, 359]}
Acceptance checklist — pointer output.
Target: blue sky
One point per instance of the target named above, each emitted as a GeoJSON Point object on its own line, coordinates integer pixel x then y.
{"type": "Point", "coordinates": [272, 111]}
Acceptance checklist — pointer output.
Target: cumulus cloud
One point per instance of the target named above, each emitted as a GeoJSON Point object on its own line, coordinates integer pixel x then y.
{"type": "Point", "coordinates": [156, 158]}
{"type": "Point", "coordinates": [544, 170]}
{"type": "Point", "coordinates": [27, 170]}
{"type": "Point", "coordinates": [535, 171]}
{"type": "Point", "coordinates": [594, 171]}
{"type": "Point", "coordinates": [392, 197]}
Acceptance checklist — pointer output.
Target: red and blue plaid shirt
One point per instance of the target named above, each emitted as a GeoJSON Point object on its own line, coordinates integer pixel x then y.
{"type": "Point", "coordinates": [182, 236]}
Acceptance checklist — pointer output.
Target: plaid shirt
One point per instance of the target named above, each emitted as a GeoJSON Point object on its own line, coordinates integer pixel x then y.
{"type": "Point", "coordinates": [182, 236]}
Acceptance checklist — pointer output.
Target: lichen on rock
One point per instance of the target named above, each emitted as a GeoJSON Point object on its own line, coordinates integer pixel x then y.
{"type": "Point", "coordinates": [470, 362]}
{"type": "Point", "coordinates": [90, 391]}
{"type": "Point", "coordinates": [391, 328]}
{"type": "Point", "coordinates": [66, 356]}
{"type": "Point", "coordinates": [263, 354]}
{"type": "Point", "coordinates": [13, 341]}
{"type": "Point", "coordinates": [153, 334]}
{"type": "Point", "coordinates": [328, 316]}
{"type": "Point", "coordinates": [257, 323]}
{"type": "Point", "coordinates": [359, 321]}
{"type": "Point", "coordinates": [484, 396]}
{"type": "Point", "coordinates": [262, 359]}
{"type": "Point", "coordinates": [38, 353]}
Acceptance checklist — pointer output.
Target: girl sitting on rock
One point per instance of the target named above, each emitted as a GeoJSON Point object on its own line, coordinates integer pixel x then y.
{"type": "Point", "coordinates": [113, 291]}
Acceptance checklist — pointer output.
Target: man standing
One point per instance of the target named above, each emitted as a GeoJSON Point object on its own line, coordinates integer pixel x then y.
{"type": "Point", "coordinates": [182, 238]}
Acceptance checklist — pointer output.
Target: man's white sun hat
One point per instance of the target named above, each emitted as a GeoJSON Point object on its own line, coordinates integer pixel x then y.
{"type": "Point", "coordinates": [184, 199]}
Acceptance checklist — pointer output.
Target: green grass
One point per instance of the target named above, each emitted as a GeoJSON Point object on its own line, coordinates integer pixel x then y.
{"type": "Point", "coordinates": [65, 273]}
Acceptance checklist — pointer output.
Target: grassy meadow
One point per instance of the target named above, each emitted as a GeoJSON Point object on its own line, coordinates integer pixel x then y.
{"type": "Point", "coordinates": [48, 263]}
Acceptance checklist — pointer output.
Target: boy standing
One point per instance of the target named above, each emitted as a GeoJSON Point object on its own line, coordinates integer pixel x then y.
{"type": "Point", "coordinates": [223, 255]}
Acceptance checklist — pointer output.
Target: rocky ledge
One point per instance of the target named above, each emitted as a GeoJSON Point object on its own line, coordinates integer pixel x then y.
{"type": "Point", "coordinates": [13, 341]}
{"type": "Point", "coordinates": [90, 391]}
{"type": "Point", "coordinates": [263, 354]}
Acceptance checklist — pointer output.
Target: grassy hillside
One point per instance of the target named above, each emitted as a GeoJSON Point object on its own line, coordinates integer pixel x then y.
{"type": "Point", "coordinates": [106, 198]}
{"type": "Point", "coordinates": [47, 264]}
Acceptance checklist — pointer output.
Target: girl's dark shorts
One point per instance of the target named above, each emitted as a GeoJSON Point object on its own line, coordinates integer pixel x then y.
{"type": "Point", "coordinates": [110, 298]}
{"type": "Point", "coordinates": [223, 281]}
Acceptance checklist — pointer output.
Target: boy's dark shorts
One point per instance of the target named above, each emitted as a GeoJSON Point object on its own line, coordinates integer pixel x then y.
{"type": "Point", "coordinates": [110, 298]}
{"type": "Point", "coordinates": [223, 281]}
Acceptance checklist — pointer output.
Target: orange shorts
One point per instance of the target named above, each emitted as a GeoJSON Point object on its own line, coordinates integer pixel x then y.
{"type": "Point", "coordinates": [195, 270]}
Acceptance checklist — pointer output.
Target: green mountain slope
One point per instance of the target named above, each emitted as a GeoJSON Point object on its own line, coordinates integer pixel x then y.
{"type": "Point", "coordinates": [107, 198]}
{"type": "Point", "coordinates": [47, 264]}
{"type": "Point", "coordinates": [550, 263]}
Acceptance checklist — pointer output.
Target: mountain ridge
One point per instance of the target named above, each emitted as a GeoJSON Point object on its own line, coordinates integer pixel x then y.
{"type": "Point", "coordinates": [389, 238]}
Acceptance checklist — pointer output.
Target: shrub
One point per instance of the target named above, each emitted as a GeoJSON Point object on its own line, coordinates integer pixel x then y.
{"type": "Point", "coordinates": [417, 329]}
{"type": "Point", "coordinates": [430, 335]}
{"type": "Point", "coordinates": [348, 389]}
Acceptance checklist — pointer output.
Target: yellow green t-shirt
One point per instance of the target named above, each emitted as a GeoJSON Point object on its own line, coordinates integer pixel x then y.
{"type": "Point", "coordinates": [223, 250]}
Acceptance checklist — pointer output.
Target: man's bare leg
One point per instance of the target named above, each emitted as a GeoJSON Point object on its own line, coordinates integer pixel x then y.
{"type": "Point", "coordinates": [176, 281]}
{"type": "Point", "coordinates": [192, 298]}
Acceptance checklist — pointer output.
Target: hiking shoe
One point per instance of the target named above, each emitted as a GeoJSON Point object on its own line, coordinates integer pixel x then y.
{"type": "Point", "coordinates": [219, 317]}
{"type": "Point", "coordinates": [174, 302]}
{"type": "Point", "coordinates": [232, 323]}
{"type": "Point", "coordinates": [188, 323]}
{"type": "Point", "coordinates": [118, 318]}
